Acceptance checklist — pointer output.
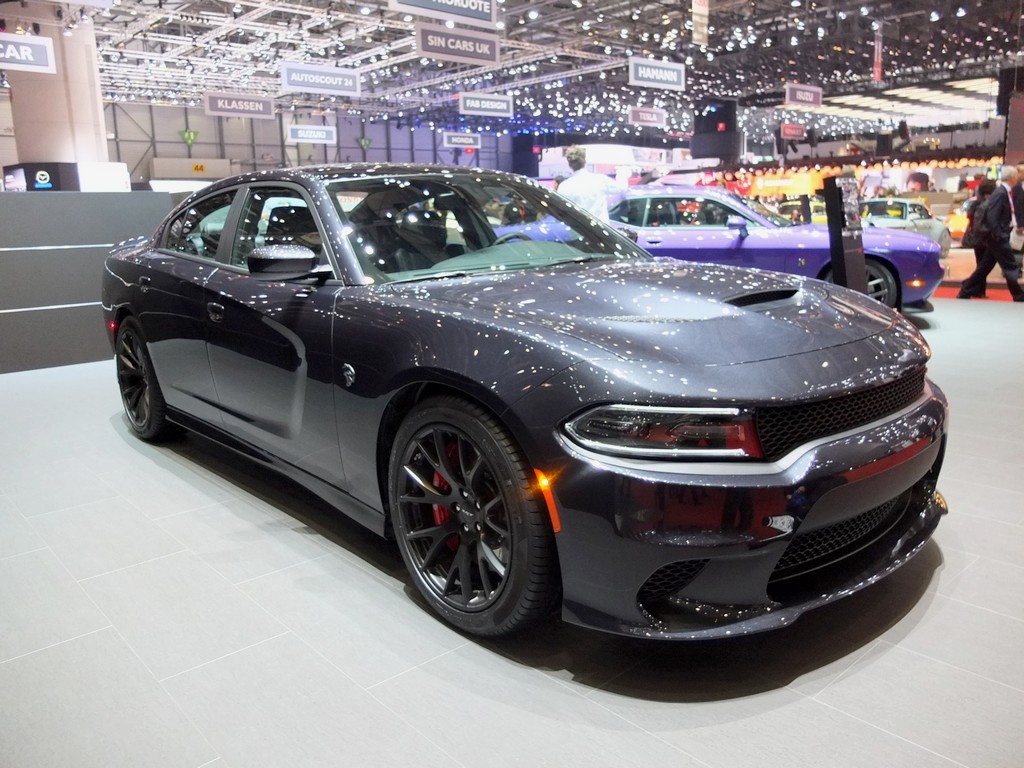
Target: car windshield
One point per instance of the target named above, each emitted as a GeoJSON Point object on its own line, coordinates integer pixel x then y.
{"type": "Point", "coordinates": [762, 210]}
{"type": "Point", "coordinates": [435, 225]}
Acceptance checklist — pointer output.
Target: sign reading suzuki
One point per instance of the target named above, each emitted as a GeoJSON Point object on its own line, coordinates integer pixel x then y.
{"type": "Point", "coordinates": [802, 95]}
{"type": "Point", "coordinates": [27, 54]}
{"type": "Point", "coordinates": [657, 74]}
{"type": "Point", "coordinates": [309, 78]}
{"type": "Point", "coordinates": [650, 116]}
{"type": "Point", "coordinates": [464, 46]}
{"type": "Point", "coordinates": [486, 104]}
{"type": "Point", "coordinates": [479, 13]}
{"type": "Point", "coordinates": [239, 105]}
{"type": "Point", "coordinates": [450, 140]}
{"type": "Point", "coordinates": [312, 134]}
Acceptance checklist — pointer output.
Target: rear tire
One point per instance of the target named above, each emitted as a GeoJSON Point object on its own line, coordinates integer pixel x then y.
{"type": "Point", "coordinates": [473, 534]}
{"type": "Point", "coordinates": [881, 282]}
{"type": "Point", "coordinates": [140, 391]}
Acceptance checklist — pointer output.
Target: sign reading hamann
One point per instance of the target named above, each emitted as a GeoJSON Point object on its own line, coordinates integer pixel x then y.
{"type": "Point", "coordinates": [480, 13]}
{"type": "Point", "coordinates": [650, 116]}
{"type": "Point", "coordinates": [27, 54]}
{"type": "Point", "coordinates": [802, 95]}
{"type": "Point", "coordinates": [309, 78]}
{"type": "Point", "coordinates": [239, 105]}
{"type": "Point", "coordinates": [452, 140]}
{"type": "Point", "coordinates": [462, 45]}
{"type": "Point", "coordinates": [312, 134]}
{"type": "Point", "coordinates": [486, 104]}
{"type": "Point", "coordinates": [657, 74]}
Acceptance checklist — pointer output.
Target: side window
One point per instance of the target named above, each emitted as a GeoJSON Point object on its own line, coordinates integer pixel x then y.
{"type": "Point", "coordinates": [629, 211]}
{"type": "Point", "coordinates": [662, 213]}
{"type": "Point", "coordinates": [197, 231]}
{"type": "Point", "coordinates": [274, 216]}
{"type": "Point", "coordinates": [918, 211]}
{"type": "Point", "coordinates": [711, 213]}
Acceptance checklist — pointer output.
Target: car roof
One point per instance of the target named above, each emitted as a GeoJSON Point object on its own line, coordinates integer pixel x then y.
{"type": "Point", "coordinates": [651, 190]}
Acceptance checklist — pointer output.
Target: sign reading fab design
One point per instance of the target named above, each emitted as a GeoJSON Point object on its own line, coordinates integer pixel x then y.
{"type": "Point", "coordinates": [464, 46]}
{"type": "Point", "coordinates": [657, 74]}
{"type": "Point", "coordinates": [27, 54]}
{"type": "Point", "coordinates": [802, 95]}
{"type": "Point", "coordinates": [312, 134]}
{"type": "Point", "coordinates": [307, 78]}
{"type": "Point", "coordinates": [650, 116]}
{"type": "Point", "coordinates": [239, 105]}
{"type": "Point", "coordinates": [451, 140]}
{"type": "Point", "coordinates": [480, 13]}
{"type": "Point", "coordinates": [487, 104]}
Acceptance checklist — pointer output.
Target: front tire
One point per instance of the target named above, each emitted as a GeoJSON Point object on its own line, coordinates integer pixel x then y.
{"type": "Point", "coordinates": [140, 391]}
{"type": "Point", "coordinates": [469, 526]}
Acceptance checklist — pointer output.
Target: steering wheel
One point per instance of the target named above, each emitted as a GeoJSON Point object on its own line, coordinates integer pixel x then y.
{"type": "Point", "coordinates": [510, 236]}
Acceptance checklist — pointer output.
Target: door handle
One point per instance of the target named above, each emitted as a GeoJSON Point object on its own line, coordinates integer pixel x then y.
{"type": "Point", "coordinates": [215, 311]}
{"type": "Point", "coordinates": [144, 282]}
{"type": "Point", "coordinates": [654, 241]}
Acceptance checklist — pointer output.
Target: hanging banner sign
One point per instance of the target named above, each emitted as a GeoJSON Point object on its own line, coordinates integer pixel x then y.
{"type": "Point", "coordinates": [649, 116]}
{"type": "Point", "coordinates": [802, 95]}
{"type": "Point", "coordinates": [312, 134]}
{"type": "Point", "coordinates": [26, 53]}
{"type": "Point", "coordinates": [451, 140]}
{"type": "Point", "coordinates": [479, 13]}
{"type": "Point", "coordinates": [309, 78]}
{"type": "Point", "coordinates": [657, 74]}
{"type": "Point", "coordinates": [876, 70]}
{"type": "Point", "coordinates": [792, 131]}
{"type": "Point", "coordinates": [699, 10]}
{"type": "Point", "coordinates": [464, 46]}
{"type": "Point", "coordinates": [486, 104]}
{"type": "Point", "coordinates": [239, 105]}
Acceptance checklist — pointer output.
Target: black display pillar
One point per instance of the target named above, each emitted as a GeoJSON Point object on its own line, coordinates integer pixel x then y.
{"type": "Point", "coordinates": [842, 207]}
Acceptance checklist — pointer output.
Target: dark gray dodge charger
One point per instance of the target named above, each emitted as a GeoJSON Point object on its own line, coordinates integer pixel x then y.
{"type": "Point", "coordinates": [543, 416]}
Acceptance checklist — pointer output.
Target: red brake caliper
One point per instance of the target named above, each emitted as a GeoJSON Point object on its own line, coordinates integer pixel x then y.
{"type": "Point", "coordinates": [441, 513]}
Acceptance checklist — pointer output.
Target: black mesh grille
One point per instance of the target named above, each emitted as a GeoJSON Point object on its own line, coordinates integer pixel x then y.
{"type": "Point", "coordinates": [783, 428]}
{"type": "Point", "coordinates": [669, 579]}
{"type": "Point", "coordinates": [821, 545]}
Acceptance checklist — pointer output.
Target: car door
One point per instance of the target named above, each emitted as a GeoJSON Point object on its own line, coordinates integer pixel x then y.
{"type": "Point", "coordinates": [269, 341]}
{"type": "Point", "coordinates": [171, 280]}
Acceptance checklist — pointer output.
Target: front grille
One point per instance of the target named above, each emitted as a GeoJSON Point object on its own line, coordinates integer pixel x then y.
{"type": "Point", "coordinates": [783, 428]}
{"type": "Point", "coordinates": [823, 545]}
{"type": "Point", "coordinates": [669, 579]}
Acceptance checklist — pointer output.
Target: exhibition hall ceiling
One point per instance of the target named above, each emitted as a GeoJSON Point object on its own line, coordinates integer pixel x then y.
{"type": "Point", "coordinates": [564, 61]}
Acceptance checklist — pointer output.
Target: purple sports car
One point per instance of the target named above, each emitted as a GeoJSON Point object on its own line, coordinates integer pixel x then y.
{"type": "Point", "coordinates": [713, 225]}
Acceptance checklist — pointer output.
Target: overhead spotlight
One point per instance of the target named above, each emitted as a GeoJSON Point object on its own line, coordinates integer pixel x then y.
{"type": "Point", "coordinates": [934, 16]}
{"type": "Point", "coordinates": [36, 29]}
{"type": "Point", "coordinates": [66, 31]}
{"type": "Point", "coordinates": [84, 17]}
{"type": "Point", "coordinates": [533, 14]}
{"type": "Point", "coordinates": [236, 10]}
{"type": "Point", "coordinates": [4, 83]}
{"type": "Point", "coordinates": [3, 25]}
{"type": "Point", "coordinates": [961, 12]}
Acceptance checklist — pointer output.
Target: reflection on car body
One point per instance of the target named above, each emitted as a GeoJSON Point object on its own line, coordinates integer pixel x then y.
{"type": "Point", "coordinates": [542, 415]}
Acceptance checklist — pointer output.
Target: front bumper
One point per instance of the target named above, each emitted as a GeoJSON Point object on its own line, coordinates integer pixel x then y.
{"type": "Point", "coordinates": [689, 551]}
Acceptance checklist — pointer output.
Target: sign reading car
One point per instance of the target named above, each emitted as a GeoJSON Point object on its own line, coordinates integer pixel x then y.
{"type": "Point", "coordinates": [27, 54]}
{"type": "Point", "coordinates": [480, 13]}
{"type": "Point", "coordinates": [308, 78]}
{"type": "Point", "coordinates": [239, 105]}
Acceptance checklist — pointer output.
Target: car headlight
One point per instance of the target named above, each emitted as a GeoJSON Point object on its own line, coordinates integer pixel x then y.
{"type": "Point", "coordinates": [667, 433]}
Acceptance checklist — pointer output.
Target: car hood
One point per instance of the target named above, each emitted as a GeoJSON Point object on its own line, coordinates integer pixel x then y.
{"type": "Point", "coordinates": [660, 310]}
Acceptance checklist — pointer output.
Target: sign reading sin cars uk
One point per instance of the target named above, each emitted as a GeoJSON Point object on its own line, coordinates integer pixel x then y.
{"type": "Point", "coordinates": [27, 54]}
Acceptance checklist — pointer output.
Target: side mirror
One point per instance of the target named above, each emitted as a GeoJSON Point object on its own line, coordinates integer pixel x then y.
{"type": "Point", "coordinates": [739, 224]}
{"type": "Point", "coordinates": [282, 262]}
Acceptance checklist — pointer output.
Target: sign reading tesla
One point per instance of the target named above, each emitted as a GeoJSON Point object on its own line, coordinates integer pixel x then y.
{"type": "Point", "coordinates": [486, 104]}
{"type": "Point", "coordinates": [239, 105]}
{"type": "Point", "coordinates": [650, 116]}
{"type": "Point", "coordinates": [802, 95]}
{"type": "Point", "coordinates": [307, 78]}
{"type": "Point", "coordinates": [464, 46]}
{"type": "Point", "coordinates": [312, 134]}
{"type": "Point", "coordinates": [451, 140]}
{"type": "Point", "coordinates": [657, 74]}
{"type": "Point", "coordinates": [479, 13]}
{"type": "Point", "coordinates": [27, 54]}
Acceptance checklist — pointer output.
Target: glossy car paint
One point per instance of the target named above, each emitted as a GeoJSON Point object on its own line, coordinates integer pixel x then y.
{"type": "Point", "coordinates": [313, 379]}
{"type": "Point", "coordinates": [799, 249]}
{"type": "Point", "coordinates": [912, 216]}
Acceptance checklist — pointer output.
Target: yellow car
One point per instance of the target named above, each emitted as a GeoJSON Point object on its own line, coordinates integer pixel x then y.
{"type": "Point", "coordinates": [956, 221]}
{"type": "Point", "coordinates": [790, 209]}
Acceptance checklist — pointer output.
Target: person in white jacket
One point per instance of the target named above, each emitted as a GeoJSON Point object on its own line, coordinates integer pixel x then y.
{"type": "Point", "coordinates": [587, 189]}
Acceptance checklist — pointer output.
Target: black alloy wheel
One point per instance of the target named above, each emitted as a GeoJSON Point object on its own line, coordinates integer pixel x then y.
{"type": "Point", "coordinates": [473, 535]}
{"type": "Point", "coordinates": [140, 393]}
{"type": "Point", "coordinates": [881, 282]}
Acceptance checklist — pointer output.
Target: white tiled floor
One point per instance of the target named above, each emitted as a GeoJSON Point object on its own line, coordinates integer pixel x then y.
{"type": "Point", "coordinates": [169, 606]}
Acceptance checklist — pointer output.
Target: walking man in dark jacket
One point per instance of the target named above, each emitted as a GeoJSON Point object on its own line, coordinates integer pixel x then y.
{"type": "Point", "coordinates": [1000, 218]}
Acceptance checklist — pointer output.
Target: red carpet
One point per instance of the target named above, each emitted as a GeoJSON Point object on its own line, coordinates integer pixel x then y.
{"type": "Point", "coordinates": [992, 294]}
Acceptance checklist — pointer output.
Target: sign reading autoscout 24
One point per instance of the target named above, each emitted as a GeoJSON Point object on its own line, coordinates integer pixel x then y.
{"type": "Point", "coordinates": [309, 78]}
{"type": "Point", "coordinates": [451, 140]}
{"type": "Point", "coordinates": [802, 95]}
{"type": "Point", "coordinates": [657, 74]}
{"type": "Point", "coordinates": [486, 104]}
{"type": "Point", "coordinates": [239, 105]}
{"type": "Point", "coordinates": [312, 134]}
{"type": "Point", "coordinates": [480, 13]}
{"type": "Point", "coordinates": [27, 54]}
{"type": "Point", "coordinates": [650, 116]}
{"type": "Point", "coordinates": [462, 45]}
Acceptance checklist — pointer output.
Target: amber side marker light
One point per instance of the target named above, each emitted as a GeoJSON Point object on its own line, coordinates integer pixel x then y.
{"type": "Point", "coordinates": [112, 326]}
{"type": "Point", "coordinates": [544, 484]}
{"type": "Point", "coordinates": [915, 283]}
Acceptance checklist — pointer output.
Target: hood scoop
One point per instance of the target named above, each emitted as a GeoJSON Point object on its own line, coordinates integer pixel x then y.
{"type": "Point", "coordinates": [762, 297]}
